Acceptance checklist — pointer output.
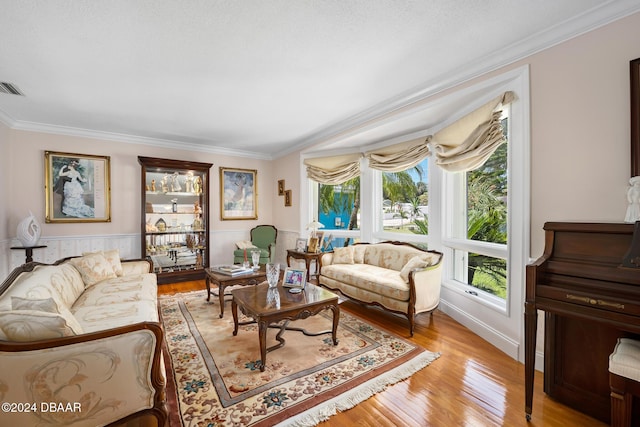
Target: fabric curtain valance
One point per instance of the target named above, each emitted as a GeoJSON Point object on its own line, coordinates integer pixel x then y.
{"type": "Point", "coordinates": [467, 143]}
{"type": "Point", "coordinates": [399, 157]}
{"type": "Point", "coordinates": [333, 170]}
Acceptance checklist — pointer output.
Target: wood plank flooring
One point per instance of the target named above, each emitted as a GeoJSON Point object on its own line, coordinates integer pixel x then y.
{"type": "Point", "coordinates": [471, 384]}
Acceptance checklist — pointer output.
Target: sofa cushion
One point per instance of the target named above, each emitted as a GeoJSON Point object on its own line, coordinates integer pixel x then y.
{"type": "Point", "coordinates": [34, 284]}
{"type": "Point", "coordinates": [43, 304]}
{"type": "Point", "coordinates": [388, 255]}
{"type": "Point", "coordinates": [414, 263]}
{"type": "Point", "coordinates": [358, 253]}
{"type": "Point", "coordinates": [93, 268]}
{"type": "Point", "coordinates": [140, 287]}
{"type": "Point", "coordinates": [68, 282]}
{"type": "Point", "coordinates": [34, 325]}
{"type": "Point", "coordinates": [343, 255]}
{"type": "Point", "coordinates": [382, 281]}
{"type": "Point", "coordinates": [48, 305]}
{"type": "Point", "coordinates": [113, 257]}
{"type": "Point", "coordinates": [95, 318]}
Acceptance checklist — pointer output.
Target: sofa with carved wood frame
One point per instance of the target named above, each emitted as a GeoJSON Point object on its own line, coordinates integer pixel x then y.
{"type": "Point", "coordinates": [82, 336]}
{"type": "Point", "coordinates": [396, 276]}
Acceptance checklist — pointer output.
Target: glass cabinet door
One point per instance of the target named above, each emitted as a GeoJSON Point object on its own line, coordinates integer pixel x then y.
{"type": "Point", "coordinates": [175, 215]}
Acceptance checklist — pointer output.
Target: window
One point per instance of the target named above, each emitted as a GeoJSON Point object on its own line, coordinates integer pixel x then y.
{"type": "Point", "coordinates": [405, 200]}
{"type": "Point", "coordinates": [478, 215]}
{"type": "Point", "coordinates": [338, 209]}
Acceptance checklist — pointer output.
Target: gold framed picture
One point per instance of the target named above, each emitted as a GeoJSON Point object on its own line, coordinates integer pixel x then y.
{"type": "Point", "coordinates": [287, 198]}
{"type": "Point", "coordinates": [281, 187]}
{"type": "Point", "coordinates": [238, 194]}
{"type": "Point", "coordinates": [77, 187]}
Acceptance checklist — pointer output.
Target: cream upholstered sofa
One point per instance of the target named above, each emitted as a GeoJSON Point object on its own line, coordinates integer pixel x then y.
{"type": "Point", "coordinates": [81, 343]}
{"type": "Point", "coordinates": [397, 276]}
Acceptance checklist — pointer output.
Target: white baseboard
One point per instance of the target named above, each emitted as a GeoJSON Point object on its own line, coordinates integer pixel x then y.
{"type": "Point", "coordinates": [489, 334]}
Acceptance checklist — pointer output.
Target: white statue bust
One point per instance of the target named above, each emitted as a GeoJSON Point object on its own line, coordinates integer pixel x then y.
{"type": "Point", "coordinates": [633, 197]}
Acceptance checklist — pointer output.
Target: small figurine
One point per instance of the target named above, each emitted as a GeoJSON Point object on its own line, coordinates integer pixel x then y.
{"type": "Point", "coordinates": [189, 182]}
{"type": "Point", "coordinates": [153, 185]}
{"type": "Point", "coordinates": [633, 197]}
{"type": "Point", "coordinates": [197, 185]}
{"type": "Point", "coordinates": [175, 182]}
{"type": "Point", "coordinates": [164, 182]}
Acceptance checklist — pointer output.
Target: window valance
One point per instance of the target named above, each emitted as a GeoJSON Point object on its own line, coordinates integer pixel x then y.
{"type": "Point", "coordinates": [399, 157]}
{"type": "Point", "coordinates": [467, 143]}
{"type": "Point", "coordinates": [333, 170]}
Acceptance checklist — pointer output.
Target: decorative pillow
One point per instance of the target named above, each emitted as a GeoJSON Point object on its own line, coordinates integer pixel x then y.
{"type": "Point", "coordinates": [93, 268]}
{"type": "Point", "coordinates": [358, 253]}
{"type": "Point", "coordinates": [343, 255]}
{"type": "Point", "coordinates": [245, 244]}
{"type": "Point", "coordinates": [416, 262]}
{"type": "Point", "coordinates": [31, 325]}
{"type": "Point", "coordinates": [113, 256]}
{"type": "Point", "coordinates": [46, 304]}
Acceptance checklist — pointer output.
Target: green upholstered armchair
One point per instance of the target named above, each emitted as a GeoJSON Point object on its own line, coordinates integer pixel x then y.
{"type": "Point", "coordinates": [264, 238]}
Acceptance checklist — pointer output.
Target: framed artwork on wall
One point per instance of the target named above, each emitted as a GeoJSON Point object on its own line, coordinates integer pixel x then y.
{"type": "Point", "coordinates": [281, 187]}
{"type": "Point", "coordinates": [77, 187]}
{"type": "Point", "coordinates": [287, 198]}
{"type": "Point", "coordinates": [238, 194]}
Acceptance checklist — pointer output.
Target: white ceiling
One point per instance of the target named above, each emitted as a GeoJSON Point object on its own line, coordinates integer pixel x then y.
{"type": "Point", "coordinates": [259, 77]}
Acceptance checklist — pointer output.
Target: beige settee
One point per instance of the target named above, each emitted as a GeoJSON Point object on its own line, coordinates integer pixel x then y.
{"type": "Point", "coordinates": [394, 275]}
{"type": "Point", "coordinates": [81, 343]}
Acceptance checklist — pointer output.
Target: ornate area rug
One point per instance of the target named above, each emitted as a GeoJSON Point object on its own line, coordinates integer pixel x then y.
{"type": "Point", "coordinates": [218, 381]}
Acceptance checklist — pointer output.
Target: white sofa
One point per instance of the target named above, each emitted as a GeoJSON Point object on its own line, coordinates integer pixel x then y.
{"type": "Point", "coordinates": [81, 343]}
{"type": "Point", "coordinates": [397, 276]}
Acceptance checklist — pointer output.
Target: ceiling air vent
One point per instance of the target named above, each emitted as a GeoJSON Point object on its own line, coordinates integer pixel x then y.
{"type": "Point", "coordinates": [10, 89]}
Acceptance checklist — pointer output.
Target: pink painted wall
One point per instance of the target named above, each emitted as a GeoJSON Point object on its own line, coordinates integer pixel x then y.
{"type": "Point", "coordinates": [27, 179]}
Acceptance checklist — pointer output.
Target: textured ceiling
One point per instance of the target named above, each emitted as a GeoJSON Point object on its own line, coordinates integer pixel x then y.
{"type": "Point", "coordinates": [257, 77]}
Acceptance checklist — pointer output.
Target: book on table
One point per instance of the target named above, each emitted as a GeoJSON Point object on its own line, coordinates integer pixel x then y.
{"type": "Point", "coordinates": [232, 270]}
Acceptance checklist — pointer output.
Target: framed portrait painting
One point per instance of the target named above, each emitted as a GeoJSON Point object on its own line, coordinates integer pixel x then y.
{"type": "Point", "coordinates": [77, 187]}
{"type": "Point", "coordinates": [238, 194]}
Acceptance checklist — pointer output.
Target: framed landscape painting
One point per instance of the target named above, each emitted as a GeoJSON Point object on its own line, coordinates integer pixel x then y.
{"type": "Point", "coordinates": [77, 187]}
{"type": "Point", "coordinates": [238, 194]}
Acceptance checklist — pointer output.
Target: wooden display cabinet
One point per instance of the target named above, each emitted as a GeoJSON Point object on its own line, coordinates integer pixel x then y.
{"type": "Point", "coordinates": [175, 217]}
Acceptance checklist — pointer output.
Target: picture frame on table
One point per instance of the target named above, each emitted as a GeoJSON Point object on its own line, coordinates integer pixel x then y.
{"type": "Point", "coordinates": [77, 187]}
{"type": "Point", "coordinates": [238, 194]}
{"type": "Point", "coordinates": [294, 278]}
{"type": "Point", "coordinates": [301, 245]}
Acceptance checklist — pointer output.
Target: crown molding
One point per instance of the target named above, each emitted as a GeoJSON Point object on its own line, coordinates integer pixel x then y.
{"type": "Point", "coordinates": [129, 139]}
{"type": "Point", "coordinates": [373, 117]}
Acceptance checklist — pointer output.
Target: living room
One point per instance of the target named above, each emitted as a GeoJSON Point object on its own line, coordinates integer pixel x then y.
{"type": "Point", "coordinates": [575, 93]}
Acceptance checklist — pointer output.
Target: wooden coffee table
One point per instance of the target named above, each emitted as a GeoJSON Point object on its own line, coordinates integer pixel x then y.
{"type": "Point", "coordinates": [223, 281]}
{"type": "Point", "coordinates": [258, 303]}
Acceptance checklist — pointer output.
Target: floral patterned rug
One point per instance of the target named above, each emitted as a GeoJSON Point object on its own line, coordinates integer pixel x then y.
{"type": "Point", "coordinates": [217, 380]}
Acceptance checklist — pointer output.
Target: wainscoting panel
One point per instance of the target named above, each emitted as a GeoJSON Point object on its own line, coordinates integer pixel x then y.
{"type": "Point", "coordinates": [222, 247]}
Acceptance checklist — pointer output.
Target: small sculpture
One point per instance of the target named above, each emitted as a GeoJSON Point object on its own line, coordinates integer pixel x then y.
{"type": "Point", "coordinates": [633, 197]}
{"type": "Point", "coordinates": [197, 185]}
{"type": "Point", "coordinates": [28, 231]}
{"type": "Point", "coordinates": [189, 182]}
{"type": "Point", "coordinates": [153, 185]}
{"type": "Point", "coordinates": [164, 182]}
{"type": "Point", "coordinates": [175, 182]}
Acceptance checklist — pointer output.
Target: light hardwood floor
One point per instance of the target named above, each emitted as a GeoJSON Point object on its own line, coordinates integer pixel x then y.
{"type": "Point", "coordinates": [471, 384]}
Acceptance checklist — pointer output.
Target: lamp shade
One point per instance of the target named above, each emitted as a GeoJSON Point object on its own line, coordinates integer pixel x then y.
{"type": "Point", "coordinates": [314, 225]}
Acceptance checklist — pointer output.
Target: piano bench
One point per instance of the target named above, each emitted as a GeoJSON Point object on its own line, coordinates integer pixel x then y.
{"type": "Point", "coordinates": [624, 380]}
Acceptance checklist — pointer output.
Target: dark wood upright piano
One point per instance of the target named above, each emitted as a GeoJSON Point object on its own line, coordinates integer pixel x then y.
{"type": "Point", "coordinates": [590, 299]}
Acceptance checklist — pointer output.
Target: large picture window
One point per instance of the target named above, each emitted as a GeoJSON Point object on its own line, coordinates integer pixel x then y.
{"type": "Point", "coordinates": [479, 214]}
